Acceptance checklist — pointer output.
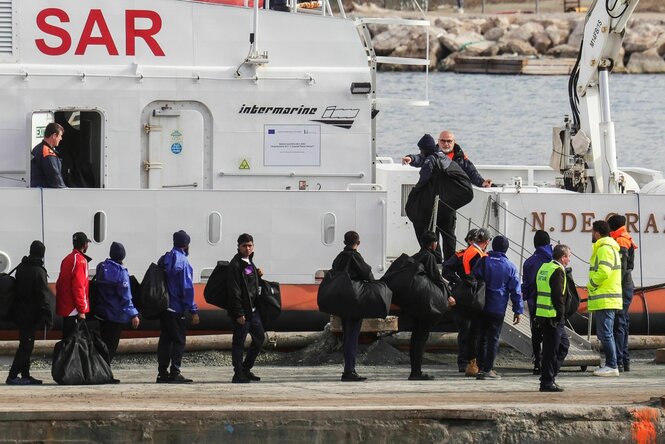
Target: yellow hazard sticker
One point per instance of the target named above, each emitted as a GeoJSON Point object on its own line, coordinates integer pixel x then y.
{"type": "Point", "coordinates": [244, 165]}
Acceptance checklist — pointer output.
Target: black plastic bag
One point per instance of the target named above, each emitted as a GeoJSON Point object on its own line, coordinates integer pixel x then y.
{"type": "Point", "coordinates": [340, 296]}
{"type": "Point", "coordinates": [135, 289]}
{"type": "Point", "coordinates": [93, 295]}
{"type": "Point", "coordinates": [572, 297]}
{"type": "Point", "coordinates": [469, 291]}
{"type": "Point", "coordinates": [399, 276]}
{"type": "Point", "coordinates": [154, 293]}
{"type": "Point", "coordinates": [82, 358]}
{"type": "Point", "coordinates": [216, 291]}
{"type": "Point", "coordinates": [269, 303]}
{"type": "Point", "coordinates": [7, 294]}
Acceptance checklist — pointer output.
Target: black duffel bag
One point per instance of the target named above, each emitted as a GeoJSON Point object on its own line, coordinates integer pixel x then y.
{"type": "Point", "coordinates": [469, 291]}
{"type": "Point", "coordinates": [82, 358]}
{"type": "Point", "coordinates": [340, 296]}
{"type": "Point", "coordinates": [216, 291]}
{"type": "Point", "coordinates": [7, 294]}
{"type": "Point", "coordinates": [154, 293]}
{"type": "Point", "coordinates": [399, 277]}
{"type": "Point", "coordinates": [269, 303]}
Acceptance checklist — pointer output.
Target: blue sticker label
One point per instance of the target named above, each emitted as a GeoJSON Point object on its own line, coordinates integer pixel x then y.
{"type": "Point", "coordinates": [176, 148]}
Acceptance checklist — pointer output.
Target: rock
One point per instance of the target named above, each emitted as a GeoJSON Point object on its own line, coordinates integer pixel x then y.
{"type": "Point", "coordinates": [491, 51]}
{"type": "Point", "coordinates": [479, 48]}
{"type": "Point", "coordinates": [494, 34]}
{"type": "Point", "coordinates": [448, 63]}
{"type": "Point", "coordinates": [645, 38]}
{"type": "Point", "coordinates": [521, 47]}
{"type": "Point", "coordinates": [575, 37]}
{"type": "Point", "coordinates": [454, 42]}
{"type": "Point", "coordinates": [386, 42]}
{"type": "Point", "coordinates": [541, 41]}
{"type": "Point", "coordinates": [447, 23]}
{"type": "Point", "coordinates": [647, 62]}
{"type": "Point", "coordinates": [563, 51]}
{"type": "Point", "coordinates": [526, 31]}
{"type": "Point", "coordinates": [556, 35]}
{"type": "Point", "coordinates": [500, 22]}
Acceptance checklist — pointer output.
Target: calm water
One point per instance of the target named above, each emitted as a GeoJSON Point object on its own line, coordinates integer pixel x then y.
{"type": "Point", "coordinates": [509, 119]}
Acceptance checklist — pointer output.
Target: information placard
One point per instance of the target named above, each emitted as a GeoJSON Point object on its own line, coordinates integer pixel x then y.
{"type": "Point", "coordinates": [292, 145]}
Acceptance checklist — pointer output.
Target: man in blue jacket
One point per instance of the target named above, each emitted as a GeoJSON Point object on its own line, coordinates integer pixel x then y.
{"type": "Point", "coordinates": [172, 339]}
{"type": "Point", "coordinates": [114, 307]}
{"type": "Point", "coordinates": [542, 255]}
{"type": "Point", "coordinates": [45, 165]}
{"type": "Point", "coordinates": [501, 282]}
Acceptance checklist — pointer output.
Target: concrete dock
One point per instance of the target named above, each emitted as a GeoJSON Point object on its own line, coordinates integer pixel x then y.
{"type": "Point", "coordinates": [310, 404]}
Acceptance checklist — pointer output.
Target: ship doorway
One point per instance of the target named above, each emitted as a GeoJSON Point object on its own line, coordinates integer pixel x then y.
{"type": "Point", "coordinates": [81, 147]}
{"type": "Point", "coordinates": [176, 146]}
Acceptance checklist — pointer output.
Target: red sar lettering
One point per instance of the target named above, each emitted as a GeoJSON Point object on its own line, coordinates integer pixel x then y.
{"type": "Point", "coordinates": [105, 38]}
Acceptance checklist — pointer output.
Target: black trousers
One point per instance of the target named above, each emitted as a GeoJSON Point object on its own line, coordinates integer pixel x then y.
{"type": "Point", "coordinates": [171, 345]}
{"type": "Point", "coordinates": [555, 349]}
{"type": "Point", "coordinates": [21, 364]}
{"type": "Point", "coordinates": [254, 328]}
{"type": "Point", "coordinates": [351, 330]}
{"type": "Point", "coordinates": [110, 332]}
{"type": "Point", "coordinates": [468, 329]}
{"type": "Point", "coordinates": [419, 335]}
{"type": "Point", "coordinates": [536, 337]}
{"type": "Point", "coordinates": [488, 340]}
{"type": "Point", "coordinates": [445, 229]}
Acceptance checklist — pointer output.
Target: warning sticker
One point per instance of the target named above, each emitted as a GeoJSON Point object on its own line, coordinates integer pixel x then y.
{"type": "Point", "coordinates": [244, 165]}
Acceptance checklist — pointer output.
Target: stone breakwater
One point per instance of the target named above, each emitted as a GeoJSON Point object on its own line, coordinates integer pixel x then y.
{"type": "Point", "coordinates": [541, 36]}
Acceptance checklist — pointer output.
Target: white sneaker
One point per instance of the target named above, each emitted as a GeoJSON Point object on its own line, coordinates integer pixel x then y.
{"type": "Point", "coordinates": [460, 10]}
{"type": "Point", "coordinates": [606, 371]}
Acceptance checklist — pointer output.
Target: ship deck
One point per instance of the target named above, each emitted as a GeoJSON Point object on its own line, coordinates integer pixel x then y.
{"type": "Point", "coordinates": [310, 404]}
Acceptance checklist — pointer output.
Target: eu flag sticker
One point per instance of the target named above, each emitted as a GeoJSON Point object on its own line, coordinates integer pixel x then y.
{"type": "Point", "coordinates": [271, 131]}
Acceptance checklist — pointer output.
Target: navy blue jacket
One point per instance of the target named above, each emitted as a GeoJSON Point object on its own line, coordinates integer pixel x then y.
{"type": "Point", "coordinates": [45, 167]}
{"type": "Point", "coordinates": [468, 166]}
{"type": "Point", "coordinates": [179, 279]}
{"type": "Point", "coordinates": [426, 165]}
{"type": "Point", "coordinates": [114, 296]}
{"type": "Point", "coordinates": [501, 281]}
{"type": "Point", "coordinates": [543, 254]}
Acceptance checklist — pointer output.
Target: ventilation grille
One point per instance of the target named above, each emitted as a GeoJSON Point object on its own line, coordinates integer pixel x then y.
{"type": "Point", "coordinates": [6, 28]}
{"type": "Point", "coordinates": [406, 189]}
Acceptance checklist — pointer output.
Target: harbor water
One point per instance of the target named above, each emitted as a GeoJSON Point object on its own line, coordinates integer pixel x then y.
{"type": "Point", "coordinates": [509, 119]}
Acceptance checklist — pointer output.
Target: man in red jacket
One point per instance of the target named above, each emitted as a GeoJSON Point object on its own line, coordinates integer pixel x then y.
{"type": "Point", "coordinates": [72, 300]}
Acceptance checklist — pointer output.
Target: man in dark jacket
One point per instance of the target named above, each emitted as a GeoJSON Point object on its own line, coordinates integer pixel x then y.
{"type": "Point", "coordinates": [454, 152]}
{"type": "Point", "coordinates": [420, 329]}
{"type": "Point", "coordinates": [501, 282]}
{"type": "Point", "coordinates": [32, 306]}
{"type": "Point", "coordinates": [359, 270]}
{"type": "Point", "coordinates": [627, 247]}
{"type": "Point", "coordinates": [114, 307]}
{"type": "Point", "coordinates": [45, 165]}
{"type": "Point", "coordinates": [244, 291]}
{"type": "Point", "coordinates": [542, 255]}
{"type": "Point", "coordinates": [173, 335]}
{"type": "Point", "coordinates": [550, 312]}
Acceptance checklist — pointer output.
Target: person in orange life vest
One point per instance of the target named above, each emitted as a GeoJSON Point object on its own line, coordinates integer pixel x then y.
{"type": "Point", "coordinates": [627, 249]}
{"type": "Point", "coordinates": [72, 298]}
{"type": "Point", "coordinates": [45, 165]}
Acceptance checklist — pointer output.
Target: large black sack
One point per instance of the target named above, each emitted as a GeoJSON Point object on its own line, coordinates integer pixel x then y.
{"type": "Point", "coordinates": [7, 294]}
{"type": "Point", "coordinates": [269, 303]}
{"type": "Point", "coordinates": [399, 276]}
{"type": "Point", "coordinates": [469, 291]}
{"type": "Point", "coordinates": [340, 296]}
{"type": "Point", "coordinates": [449, 182]}
{"type": "Point", "coordinates": [216, 289]}
{"type": "Point", "coordinates": [80, 359]}
{"type": "Point", "coordinates": [154, 293]}
{"type": "Point", "coordinates": [93, 295]}
{"type": "Point", "coordinates": [135, 289]}
{"type": "Point", "coordinates": [572, 297]}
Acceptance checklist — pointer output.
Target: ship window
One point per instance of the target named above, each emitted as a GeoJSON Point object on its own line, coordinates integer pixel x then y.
{"type": "Point", "coordinates": [329, 223]}
{"type": "Point", "coordinates": [81, 148]}
{"type": "Point", "coordinates": [99, 227]}
{"type": "Point", "coordinates": [214, 228]}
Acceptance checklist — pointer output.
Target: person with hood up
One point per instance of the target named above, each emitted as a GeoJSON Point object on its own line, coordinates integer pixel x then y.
{"type": "Point", "coordinates": [173, 336]}
{"type": "Point", "coordinates": [32, 306]}
{"type": "Point", "coordinates": [244, 291]}
{"type": "Point", "coordinates": [501, 282]}
{"type": "Point", "coordinates": [627, 248]}
{"type": "Point", "coordinates": [114, 307]}
{"type": "Point", "coordinates": [542, 255]}
{"type": "Point", "coordinates": [72, 289]}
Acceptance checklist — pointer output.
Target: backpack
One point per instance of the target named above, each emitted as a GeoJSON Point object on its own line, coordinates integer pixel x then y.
{"type": "Point", "coordinates": [216, 291]}
{"type": "Point", "coordinates": [7, 294]}
{"type": "Point", "coordinates": [154, 293]}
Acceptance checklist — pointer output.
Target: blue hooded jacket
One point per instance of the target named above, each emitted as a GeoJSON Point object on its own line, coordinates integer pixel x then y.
{"type": "Point", "coordinates": [179, 276]}
{"type": "Point", "coordinates": [530, 269]}
{"type": "Point", "coordinates": [114, 296]}
{"type": "Point", "coordinates": [501, 281]}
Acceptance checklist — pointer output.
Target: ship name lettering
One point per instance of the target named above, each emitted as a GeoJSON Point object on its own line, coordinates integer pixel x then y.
{"type": "Point", "coordinates": [582, 222]}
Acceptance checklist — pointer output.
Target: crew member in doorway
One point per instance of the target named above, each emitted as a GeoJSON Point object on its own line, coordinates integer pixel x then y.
{"type": "Point", "coordinates": [244, 291]}
{"type": "Point", "coordinates": [72, 294]}
{"type": "Point", "coordinates": [45, 165]}
{"type": "Point", "coordinates": [627, 249]}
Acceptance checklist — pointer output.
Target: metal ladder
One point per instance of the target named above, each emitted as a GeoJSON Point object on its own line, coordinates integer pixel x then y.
{"type": "Point", "coordinates": [519, 337]}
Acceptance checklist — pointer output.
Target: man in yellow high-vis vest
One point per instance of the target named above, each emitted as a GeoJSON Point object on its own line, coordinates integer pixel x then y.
{"type": "Point", "coordinates": [551, 316]}
{"type": "Point", "coordinates": [604, 289]}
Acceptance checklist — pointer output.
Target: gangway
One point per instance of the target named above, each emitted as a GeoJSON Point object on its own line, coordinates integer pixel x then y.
{"type": "Point", "coordinates": [519, 337]}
